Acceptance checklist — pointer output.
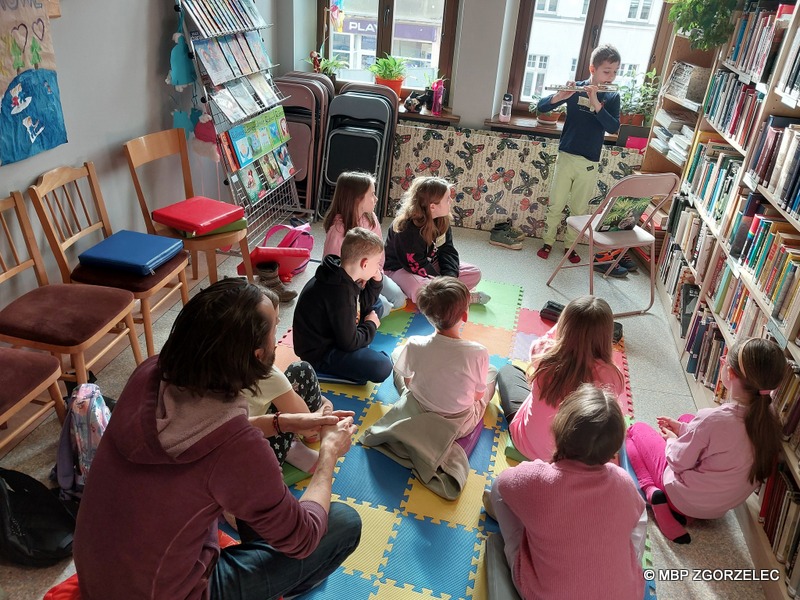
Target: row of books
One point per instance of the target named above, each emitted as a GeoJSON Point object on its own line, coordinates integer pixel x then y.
{"type": "Point", "coordinates": [758, 33]}
{"type": "Point", "coordinates": [780, 517]}
{"type": "Point", "coordinates": [230, 56]}
{"type": "Point", "coordinates": [245, 97]}
{"type": "Point", "coordinates": [788, 81]}
{"type": "Point", "coordinates": [782, 156]}
{"type": "Point", "coordinates": [243, 144]}
{"type": "Point", "coordinates": [712, 173]}
{"type": "Point", "coordinates": [696, 242]}
{"type": "Point", "coordinates": [218, 17]}
{"type": "Point", "coordinates": [266, 173]}
{"type": "Point", "coordinates": [732, 106]}
{"type": "Point", "coordinates": [705, 346]}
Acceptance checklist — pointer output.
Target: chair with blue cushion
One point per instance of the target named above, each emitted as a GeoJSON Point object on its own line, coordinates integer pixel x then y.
{"type": "Point", "coordinates": [71, 208]}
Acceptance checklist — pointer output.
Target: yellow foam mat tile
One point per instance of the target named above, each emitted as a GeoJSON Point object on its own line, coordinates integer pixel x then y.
{"type": "Point", "coordinates": [389, 591]}
{"type": "Point", "coordinates": [374, 412]}
{"type": "Point", "coordinates": [501, 461]}
{"type": "Point", "coordinates": [480, 589]}
{"type": "Point", "coordinates": [377, 532]}
{"type": "Point", "coordinates": [466, 510]}
{"type": "Point", "coordinates": [345, 389]}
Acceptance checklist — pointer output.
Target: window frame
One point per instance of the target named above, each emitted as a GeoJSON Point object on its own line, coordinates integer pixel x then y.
{"type": "Point", "coordinates": [589, 40]}
{"type": "Point", "coordinates": [384, 40]}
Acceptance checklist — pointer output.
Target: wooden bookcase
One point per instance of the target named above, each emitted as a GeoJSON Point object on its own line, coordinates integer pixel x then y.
{"type": "Point", "coordinates": [775, 102]}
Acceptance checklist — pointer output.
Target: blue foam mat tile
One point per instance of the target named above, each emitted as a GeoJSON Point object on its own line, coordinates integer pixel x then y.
{"type": "Point", "coordinates": [419, 326]}
{"type": "Point", "coordinates": [383, 342]}
{"type": "Point", "coordinates": [387, 393]}
{"type": "Point", "coordinates": [488, 524]}
{"type": "Point", "coordinates": [430, 564]}
{"type": "Point", "coordinates": [650, 590]}
{"type": "Point", "coordinates": [481, 457]}
{"type": "Point", "coordinates": [357, 405]}
{"type": "Point", "coordinates": [342, 585]}
{"type": "Point", "coordinates": [498, 362]}
{"type": "Point", "coordinates": [368, 476]}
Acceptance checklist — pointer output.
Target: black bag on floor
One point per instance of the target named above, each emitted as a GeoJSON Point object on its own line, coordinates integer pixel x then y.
{"type": "Point", "coordinates": [551, 311]}
{"type": "Point", "coordinates": [35, 528]}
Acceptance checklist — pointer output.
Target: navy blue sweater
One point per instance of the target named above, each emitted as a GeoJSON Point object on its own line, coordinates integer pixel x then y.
{"type": "Point", "coordinates": [584, 129]}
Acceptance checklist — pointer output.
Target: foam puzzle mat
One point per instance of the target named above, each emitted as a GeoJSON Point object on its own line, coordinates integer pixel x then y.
{"type": "Point", "coordinates": [416, 545]}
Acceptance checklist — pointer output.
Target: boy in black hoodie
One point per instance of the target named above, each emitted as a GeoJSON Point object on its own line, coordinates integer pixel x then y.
{"type": "Point", "coordinates": [334, 322]}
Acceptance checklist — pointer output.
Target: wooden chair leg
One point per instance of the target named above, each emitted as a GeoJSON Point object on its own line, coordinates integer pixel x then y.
{"type": "Point", "coordinates": [147, 322]}
{"type": "Point", "coordinates": [211, 260]}
{"type": "Point", "coordinates": [193, 254]}
{"type": "Point", "coordinates": [248, 266]}
{"type": "Point", "coordinates": [134, 340]}
{"type": "Point", "coordinates": [79, 365]}
{"type": "Point", "coordinates": [58, 402]}
{"type": "Point", "coordinates": [184, 287]}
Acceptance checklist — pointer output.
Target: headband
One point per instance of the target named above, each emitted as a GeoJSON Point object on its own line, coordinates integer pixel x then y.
{"type": "Point", "coordinates": [741, 366]}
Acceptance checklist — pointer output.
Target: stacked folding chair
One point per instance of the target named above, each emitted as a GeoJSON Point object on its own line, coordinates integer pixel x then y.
{"type": "Point", "coordinates": [360, 137]}
{"type": "Point", "coordinates": [306, 107]}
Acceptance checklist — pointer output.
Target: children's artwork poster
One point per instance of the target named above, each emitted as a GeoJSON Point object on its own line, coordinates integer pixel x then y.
{"type": "Point", "coordinates": [31, 118]}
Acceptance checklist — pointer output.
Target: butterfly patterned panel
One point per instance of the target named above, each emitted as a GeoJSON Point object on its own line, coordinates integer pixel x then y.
{"type": "Point", "coordinates": [496, 176]}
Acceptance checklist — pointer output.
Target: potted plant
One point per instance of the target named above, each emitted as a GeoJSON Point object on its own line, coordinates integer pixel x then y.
{"type": "Point", "coordinates": [389, 71]}
{"type": "Point", "coordinates": [327, 66]}
{"type": "Point", "coordinates": [637, 99]}
{"type": "Point", "coordinates": [426, 98]}
{"type": "Point", "coordinates": [548, 118]}
{"type": "Point", "coordinates": [707, 23]}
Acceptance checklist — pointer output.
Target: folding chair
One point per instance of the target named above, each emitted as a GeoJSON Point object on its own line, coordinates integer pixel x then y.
{"type": "Point", "coordinates": [644, 186]}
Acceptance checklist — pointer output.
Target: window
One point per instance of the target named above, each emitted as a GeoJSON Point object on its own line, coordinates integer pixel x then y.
{"type": "Point", "coordinates": [421, 31]}
{"type": "Point", "coordinates": [640, 9]}
{"type": "Point", "coordinates": [575, 31]}
{"type": "Point", "coordinates": [546, 5]}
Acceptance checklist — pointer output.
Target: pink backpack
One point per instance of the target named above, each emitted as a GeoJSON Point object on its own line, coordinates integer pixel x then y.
{"type": "Point", "coordinates": [292, 253]}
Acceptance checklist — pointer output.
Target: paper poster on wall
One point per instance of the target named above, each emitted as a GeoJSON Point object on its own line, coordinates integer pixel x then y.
{"type": "Point", "coordinates": [31, 119]}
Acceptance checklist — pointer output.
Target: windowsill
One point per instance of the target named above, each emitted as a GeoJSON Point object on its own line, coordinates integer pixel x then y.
{"type": "Point", "coordinates": [447, 117]}
{"type": "Point", "coordinates": [531, 125]}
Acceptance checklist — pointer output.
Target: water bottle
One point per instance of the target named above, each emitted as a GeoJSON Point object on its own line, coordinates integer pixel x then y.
{"type": "Point", "coordinates": [438, 97]}
{"type": "Point", "coordinates": [505, 108]}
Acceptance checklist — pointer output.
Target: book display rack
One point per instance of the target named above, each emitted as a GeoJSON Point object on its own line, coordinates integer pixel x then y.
{"type": "Point", "coordinates": [729, 264]}
{"type": "Point", "coordinates": [233, 67]}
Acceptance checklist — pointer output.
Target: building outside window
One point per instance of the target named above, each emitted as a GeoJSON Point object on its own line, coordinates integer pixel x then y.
{"type": "Point", "coordinates": [546, 6]}
{"type": "Point", "coordinates": [535, 74]}
{"type": "Point", "coordinates": [640, 9]}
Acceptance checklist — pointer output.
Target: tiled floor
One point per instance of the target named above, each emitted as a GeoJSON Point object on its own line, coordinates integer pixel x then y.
{"type": "Point", "coordinates": [657, 384]}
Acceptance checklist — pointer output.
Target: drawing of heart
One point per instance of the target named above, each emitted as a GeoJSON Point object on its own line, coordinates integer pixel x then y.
{"type": "Point", "coordinates": [20, 34]}
{"type": "Point", "coordinates": [38, 29]}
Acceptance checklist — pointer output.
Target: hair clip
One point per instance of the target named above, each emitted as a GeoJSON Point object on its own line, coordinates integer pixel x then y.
{"type": "Point", "coordinates": [764, 392]}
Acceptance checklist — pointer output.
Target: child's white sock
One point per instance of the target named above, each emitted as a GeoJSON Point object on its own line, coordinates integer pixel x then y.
{"type": "Point", "coordinates": [479, 297]}
{"type": "Point", "coordinates": [302, 457]}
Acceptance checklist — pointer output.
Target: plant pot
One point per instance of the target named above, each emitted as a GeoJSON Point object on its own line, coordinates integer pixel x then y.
{"type": "Point", "coordinates": [637, 120]}
{"type": "Point", "coordinates": [394, 84]}
{"type": "Point", "coordinates": [550, 118]}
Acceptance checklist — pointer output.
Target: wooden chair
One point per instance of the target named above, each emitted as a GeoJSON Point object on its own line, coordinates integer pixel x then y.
{"type": "Point", "coordinates": [155, 146]}
{"type": "Point", "coordinates": [652, 185]}
{"type": "Point", "coordinates": [71, 207]}
{"type": "Point", "coordinates": [24, 376]}
{"type": "Point", "coordinates": [60, 319]}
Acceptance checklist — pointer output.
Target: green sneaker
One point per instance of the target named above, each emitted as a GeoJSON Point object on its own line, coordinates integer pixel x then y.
{"type": "Point", "coordinates": [504, 238]}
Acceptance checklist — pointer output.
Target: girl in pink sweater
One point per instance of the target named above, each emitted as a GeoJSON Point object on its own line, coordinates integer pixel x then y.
{"type": "Point", "coordinates": [578, 523]}
{"type": "Point", "coordinates": [578, 349]}
{"type": "Point", "coordinates": [702, 465]}
{"type": "Point", "coordinates": [353, 205]}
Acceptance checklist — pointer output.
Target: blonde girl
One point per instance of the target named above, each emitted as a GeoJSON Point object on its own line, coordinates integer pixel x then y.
{"type": "Point", "coordinates": [578, 349]}
{"type": "Point", "coordinates": [420, 241]}
{"type": "Point", "coordinates": [574, 509]}
{"type": "Point", "coordinates": [705, 464]}
{"type": "Point", "coordinates": [353, 205]}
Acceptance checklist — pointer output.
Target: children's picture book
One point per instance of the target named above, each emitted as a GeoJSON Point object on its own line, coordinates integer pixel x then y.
{"type": "Point", "coordinates": [283, 126]}
{"type": "Point", "coordinates": [622, 213]}
{"type": "Point", "coordinates": [213, 60]}
{"type": "Point", "coordinates": [284, 161]}
{"type": "Point", "coordinates": [258, 49]}
{"type": "Point", "coordinates": [236, 50]}
{"type": "Point", "coordinates": [252, 12]}
{"type": "Point", "coordinates": [269, 165]}
{"type": "Point", "coordinates": [226, 50]}
{"type": "Point", "coordinates": [263, 88]}
{"type": "Point", "coordinates": [229, 107]}
{"type": "Point", "coordinates": [239, 90]}
{"type": "Point", "coordinates": [251, 182]}
{"type": "Point", "coordinates": [274, 129]}
{"type": "Point", "coordinates": [246, 146]}
{"type": "Point", "coordinates": [248, 54]}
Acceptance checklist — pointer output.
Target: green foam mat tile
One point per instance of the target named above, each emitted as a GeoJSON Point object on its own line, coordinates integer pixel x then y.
{"type": "Point", "coordinates": [292, 475]}
{"type": "Point", "coordinates": [396, 322]}
{"type": "Point", "coordinates": [502, 309]}
{"type": "Point", "coordinates": [512, 452]}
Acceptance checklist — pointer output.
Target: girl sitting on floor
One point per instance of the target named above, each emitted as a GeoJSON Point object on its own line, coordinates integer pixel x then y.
{"type": "Point", "coordinates": [702, 465]}
{"type": "Point", "coordinates": [353, 205]}
{"type": "Point", "coordinates": [576, 526]}
{"type": "Point", "coordinates": [420, 241]}
{"type": "Point", "coordinates": [578, 349]}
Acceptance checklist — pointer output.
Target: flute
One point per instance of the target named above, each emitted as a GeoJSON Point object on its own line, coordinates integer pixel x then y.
{"type": "Point", "coordinates": [609, 87]}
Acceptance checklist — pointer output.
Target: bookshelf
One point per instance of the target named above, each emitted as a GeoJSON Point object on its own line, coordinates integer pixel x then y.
{"type": "Point", "coordinates": [233, 70]}
{"type": "Point", "coordinates": [739, 176]}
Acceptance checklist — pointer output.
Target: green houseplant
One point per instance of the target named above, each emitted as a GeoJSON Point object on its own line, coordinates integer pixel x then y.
{"type": "Point", "coordinates": [389, 71]}
{"type": "Point", "coordinates": [707, 23]}
{"type": "Point", "coordinates": [326, 66]}
{"type": "Point", "coordinates": [548, 118]}
{"type": "Point", "coordinates": [638, 98]}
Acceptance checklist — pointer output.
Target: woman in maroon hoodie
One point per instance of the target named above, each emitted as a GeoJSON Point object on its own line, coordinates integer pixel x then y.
{"type": "Point", "coordinates": [179, 451]}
